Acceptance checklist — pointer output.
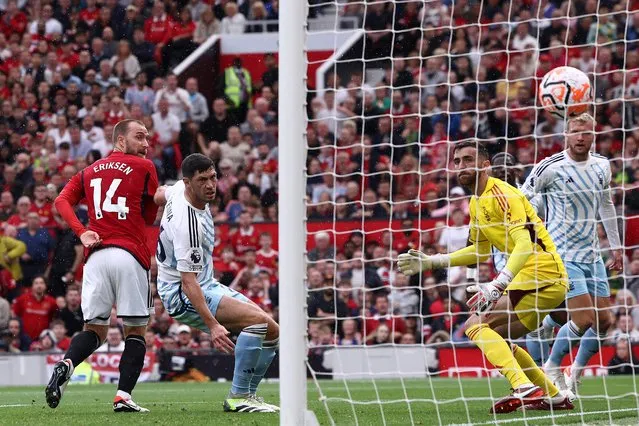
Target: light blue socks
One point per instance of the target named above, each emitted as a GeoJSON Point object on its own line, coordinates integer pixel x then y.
{"type": "Point", "coordinates": [537, 346]}
{"type": "Point", "coordinates": [269, 348]}
{"type": "Point", "coordinates": [590, 345]}
{"type": "Point", "coordinates": [248, 349]}
{"type": "Point", "coordinates": [569, 335]}
{"type": "Point", "coordinates": [537, 342]}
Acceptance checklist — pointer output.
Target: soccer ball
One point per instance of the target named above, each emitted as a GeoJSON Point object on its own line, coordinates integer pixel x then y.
{"type": "Point", "coordinates": [565, 92]}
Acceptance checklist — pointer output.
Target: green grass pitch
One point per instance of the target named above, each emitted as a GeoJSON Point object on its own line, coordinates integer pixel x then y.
{"type": "Point", "coordinates": [194, 404]}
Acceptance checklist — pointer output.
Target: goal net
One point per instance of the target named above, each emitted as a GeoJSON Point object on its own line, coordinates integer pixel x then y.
{"type": "Point", "coordinates": [383, 115]}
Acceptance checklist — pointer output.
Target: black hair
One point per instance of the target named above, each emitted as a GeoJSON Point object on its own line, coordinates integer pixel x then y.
{"type": "Point", "coordinates": [480, 147]}
{"type": "Point", "coordinates": [195, 163]}
{"type": "Point", "coordinates": [503, 159]}
{"type": "Point", "coordinates": [46, 282]}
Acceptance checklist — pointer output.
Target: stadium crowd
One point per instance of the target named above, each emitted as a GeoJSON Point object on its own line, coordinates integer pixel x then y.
{"type": "Point", "coordinates": [376, 151]}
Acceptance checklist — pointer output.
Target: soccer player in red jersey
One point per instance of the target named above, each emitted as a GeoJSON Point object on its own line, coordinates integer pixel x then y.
{"type": "Point", "coordinates": [119, 190]}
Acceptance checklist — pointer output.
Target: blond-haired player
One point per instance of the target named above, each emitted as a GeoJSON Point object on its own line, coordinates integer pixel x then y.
{"type": "Point", "coordinates": [574, 187]}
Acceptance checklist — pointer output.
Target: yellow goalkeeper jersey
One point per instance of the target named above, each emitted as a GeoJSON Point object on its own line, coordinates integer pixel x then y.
{"type": "Point", "coordinates": [498, 216]}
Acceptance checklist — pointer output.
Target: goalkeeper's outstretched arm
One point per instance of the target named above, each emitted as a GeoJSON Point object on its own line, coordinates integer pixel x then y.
{"type": "Point", "coordinates": [415, 261]}
{"type": "Point", "coordinates": [470, 255]}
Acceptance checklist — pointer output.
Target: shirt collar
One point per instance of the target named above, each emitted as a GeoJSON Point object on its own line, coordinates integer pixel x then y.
{"type": "Point", "coordinates": [246, 233]}
{"type": "Point", "coordinates": [489, 185]}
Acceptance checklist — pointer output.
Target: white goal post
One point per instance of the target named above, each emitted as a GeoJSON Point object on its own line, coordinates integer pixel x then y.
{"type": "Point", "coordinates": [366, 136]}
{"type": "Point", "coordinates": [292, 229]}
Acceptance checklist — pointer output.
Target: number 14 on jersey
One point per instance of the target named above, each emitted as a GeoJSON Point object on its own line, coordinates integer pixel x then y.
{"type": "Point", "coordinates": [107, 206]}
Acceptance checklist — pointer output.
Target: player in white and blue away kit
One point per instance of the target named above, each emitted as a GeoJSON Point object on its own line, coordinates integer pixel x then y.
{"type": "Point", "coordinates": [191, 294]}
{"type": "Point", "coordinates": [574, 186]}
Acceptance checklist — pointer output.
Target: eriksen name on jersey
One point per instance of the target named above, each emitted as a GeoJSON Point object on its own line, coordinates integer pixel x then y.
{"type": "Point", "coordinates": [116, 165]}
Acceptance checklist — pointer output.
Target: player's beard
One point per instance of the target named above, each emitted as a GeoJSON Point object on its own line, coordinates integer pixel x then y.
{"type": "Point", "coordinates": [137, 152]}
{"type": "Point", "coordinates": [467, 178]}
{"type": "Point", "coordinates": [581, 148]}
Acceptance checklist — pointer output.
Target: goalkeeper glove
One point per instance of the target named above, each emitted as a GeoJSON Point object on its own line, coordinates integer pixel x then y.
{"type": "Point", "coordinates": [487, 294]}
{"type": "Point", "coordinates": [415, 261]}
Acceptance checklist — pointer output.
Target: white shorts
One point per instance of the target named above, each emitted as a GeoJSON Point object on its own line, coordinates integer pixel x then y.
{"type": "Point", "coordinates": [112, 276]}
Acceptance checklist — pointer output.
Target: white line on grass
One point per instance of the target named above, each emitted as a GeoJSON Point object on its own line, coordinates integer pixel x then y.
{"type": "Point", "coordinates": [552, 416]}
{"type": "Point", "coordinates": [107, 402]}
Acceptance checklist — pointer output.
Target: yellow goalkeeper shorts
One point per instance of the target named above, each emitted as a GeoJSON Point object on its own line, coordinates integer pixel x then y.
{"type": "Point", "coordinates": [532, 304]}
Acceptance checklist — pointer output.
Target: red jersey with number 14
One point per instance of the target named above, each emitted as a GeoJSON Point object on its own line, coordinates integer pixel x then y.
{"type": "Point", "coordinates": [119, 191]}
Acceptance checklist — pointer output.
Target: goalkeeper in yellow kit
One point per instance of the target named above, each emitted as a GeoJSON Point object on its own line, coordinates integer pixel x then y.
{"type": "Point", "coordinates": [533, 282]}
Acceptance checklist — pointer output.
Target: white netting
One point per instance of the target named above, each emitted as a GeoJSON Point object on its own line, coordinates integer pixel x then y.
{"type": "Point", "coordinates": [383, 119]}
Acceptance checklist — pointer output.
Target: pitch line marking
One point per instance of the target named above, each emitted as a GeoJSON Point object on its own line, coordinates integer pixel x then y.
{"type": "Point", "coordinates": [525, 419]}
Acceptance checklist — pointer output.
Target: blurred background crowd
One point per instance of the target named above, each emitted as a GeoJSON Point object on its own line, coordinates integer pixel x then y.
{"type": "Point", "coordinates": [379, 144]}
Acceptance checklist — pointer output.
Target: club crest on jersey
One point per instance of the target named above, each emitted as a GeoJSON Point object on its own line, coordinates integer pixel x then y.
{"type": "Point", "coordinates": [196, 257]}
{"type": "Point", "coordinates": [600, 177]}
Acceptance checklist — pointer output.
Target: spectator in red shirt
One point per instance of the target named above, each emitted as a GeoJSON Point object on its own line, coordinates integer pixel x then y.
{"type": "Point", "coordinates": [257, 292]}
{"type": "Point", "coordinates": [13, 21]}
{"type": "Point", "coordinates": [19, 220]}
{"type": "Point", "coordinates": [246, 237]}
{"type": "Point", "coordinates": [69, 60]}
{"type": "Point", "coordinates": [64, 156]}
{"type": "Point", "coordinates": [117, 112]}
{"type": "Point", "coordinates": [153, 342]}
{"type": "Point", "coordinates": [89, 14]}
{"type": "Point", "coordinates": [36, 308]}
{"type": "Point", "coordinates": [7, 283]}
{"type": "Point", "coordinates": [60, 333]}
{"type": "Point", "coordinates": [267, 257]}
{"type": "Point", "coordinates": [247, 272]}
{"type": "Point", "coordinates": [381, 315]}
{"type": "Point", "coordinates": [226, 267]}
{"type": "Point", "coordinates": [382, 335]}
{"type": "Point", "coordinates": [5, 93]}
{"type": "Point", "coordinates": [157, 25]}
{"type": "Point", "coordinates": [43, 207]}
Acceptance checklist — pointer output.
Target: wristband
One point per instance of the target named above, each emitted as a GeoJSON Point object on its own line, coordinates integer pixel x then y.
{"type": "Point", "coordinates": [440, 261]}
{"type": "Point", "coordinates": [504, 278]}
